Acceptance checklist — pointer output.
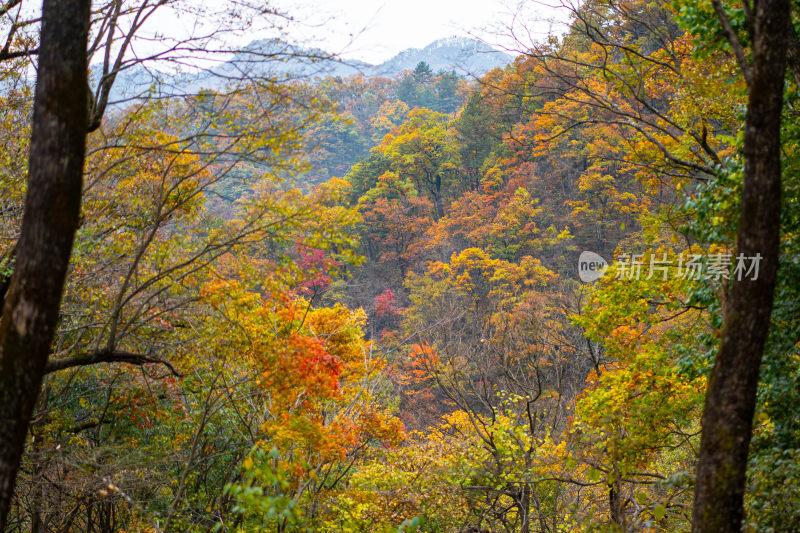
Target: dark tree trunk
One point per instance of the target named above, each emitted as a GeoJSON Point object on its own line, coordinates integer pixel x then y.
{"type": "Point", "coordinates": [437, 197]}
{"type": "Point", "coordinates": [731, 395]}
{"type": "Point", "coordinates": [52, 206]}
{"type": "Point", "coordinates": [615, 504]}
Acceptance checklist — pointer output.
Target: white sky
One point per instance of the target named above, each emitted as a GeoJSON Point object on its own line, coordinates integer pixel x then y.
{"type": "Point", "coordinates": [375, 30]}
{"type": "Point", "coordinates": [369, 30]}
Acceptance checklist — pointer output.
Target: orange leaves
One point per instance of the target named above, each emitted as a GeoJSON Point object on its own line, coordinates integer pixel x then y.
{"type": "Point", "coordinates": [313, 368]}
{"type": "Point", "coordinates": [423, 361]}
{"type": "Point", "coordinates": [381, 426]}
{"type": "Point", "coordinates": [298, 364]}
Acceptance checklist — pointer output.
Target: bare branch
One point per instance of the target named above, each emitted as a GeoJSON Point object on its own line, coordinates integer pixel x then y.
{"type": "Point", "coordinates": [733, 40]}
{"type": "Point", "coordinates": [105, 356]}
{"type": "Point", "coordinates": [8, 6]}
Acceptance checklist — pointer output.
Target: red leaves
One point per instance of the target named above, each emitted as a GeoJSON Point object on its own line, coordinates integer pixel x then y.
{"type": "Point", "coordinates": [384, 304]}
{"type": "Point", "coordinates": [317, 266]}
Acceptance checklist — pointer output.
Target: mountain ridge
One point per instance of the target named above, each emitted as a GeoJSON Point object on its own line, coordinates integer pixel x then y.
{"type": "Point", "coordinates": [465, 55]}
{"type": "Point", "coordinates": [273, 57]}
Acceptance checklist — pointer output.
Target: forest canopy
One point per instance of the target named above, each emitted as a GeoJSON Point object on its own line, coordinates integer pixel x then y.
{"type": "Point", "coordinates": [262, 294]}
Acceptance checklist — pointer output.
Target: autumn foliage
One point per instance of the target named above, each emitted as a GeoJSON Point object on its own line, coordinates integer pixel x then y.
{"type": "Point", "coordinates": [352, 305]}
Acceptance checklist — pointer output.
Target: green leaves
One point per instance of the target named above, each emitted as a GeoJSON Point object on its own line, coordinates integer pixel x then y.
{"type": "Point", "coordinates": [659, 511]}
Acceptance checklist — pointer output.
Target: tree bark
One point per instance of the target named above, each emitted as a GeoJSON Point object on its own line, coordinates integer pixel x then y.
{"type": "Point", "coordinates": [731, 396]}
{"type": "Point", "coordinates": [52, 206]}
{"type": "Point", "coordinates": [615, 505]}
{"type": "Point", "coordinates": [525, 508]}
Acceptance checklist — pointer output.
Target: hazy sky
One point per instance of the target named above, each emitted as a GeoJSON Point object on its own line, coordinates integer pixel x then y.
{"type": "Point", "coordinates": [375, 30]}
{"type": "Point", "coordinates": [381, 28]}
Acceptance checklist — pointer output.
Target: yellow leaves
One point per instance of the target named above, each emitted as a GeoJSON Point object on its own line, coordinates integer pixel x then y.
{"type": "Point", "coordinates": [473, 271]}
{"type": "Point", "coordinates": [332, 193]}
{"type": "Point", "coordinates": [565, 235]}
{"type": "Point", "coordinates": [595, 182]}
{"type": "Point", "coordinates": [493, 179]}
{"type": "Point", "coordinates": [458, 421]}
{"type": "Point", "coordinates": [381, 426]}
{"type": "Point", "coordinates": [390, 115]}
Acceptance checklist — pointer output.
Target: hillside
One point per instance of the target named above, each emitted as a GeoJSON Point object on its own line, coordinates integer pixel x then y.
{"type": "Point", "coordinates": [289, 295]}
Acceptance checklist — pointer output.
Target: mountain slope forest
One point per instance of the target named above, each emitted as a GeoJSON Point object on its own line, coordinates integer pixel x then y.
{"type": "Point", "coordinates": [353, 304]}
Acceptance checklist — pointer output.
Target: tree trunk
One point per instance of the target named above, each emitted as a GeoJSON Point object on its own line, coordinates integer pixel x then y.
{"type": "Point", "coordinates": [525, 508]}
{"type": "Point", "coordinates": [52, 205]}
{"type": "Point", "coordinates": [615, 502]}
{"type": "Point", "coordinates": [437, 197]}
{"type": "Point", "coordinates": [731, 396]}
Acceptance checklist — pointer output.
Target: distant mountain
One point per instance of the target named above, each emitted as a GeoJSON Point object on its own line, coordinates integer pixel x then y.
{"type": "Point", "coordinates": [272, 57]}
{"type": "Point", "coordinates": [464, 55]}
